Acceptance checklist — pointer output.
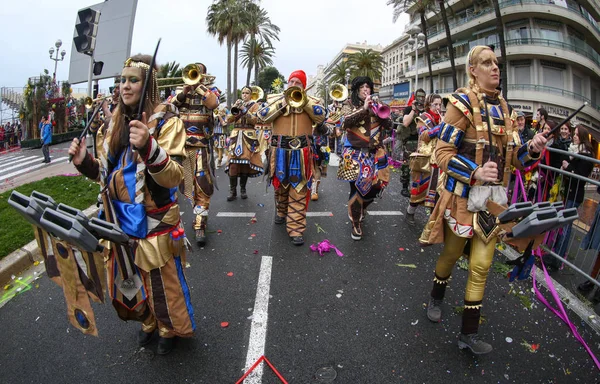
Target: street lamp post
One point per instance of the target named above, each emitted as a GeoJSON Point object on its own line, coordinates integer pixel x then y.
{"type": "Point", "coordinates": [58, 44]}
{"type": "Point", "coordinates": [416, 39]}
{"type": "Point", "coordinates": [347, 77]}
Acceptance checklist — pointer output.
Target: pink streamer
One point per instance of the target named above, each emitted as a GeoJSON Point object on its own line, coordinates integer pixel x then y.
{"type": "Point", "coordinates": [560, 312]}
{"type": "Point", "coordinates": [325, 246]}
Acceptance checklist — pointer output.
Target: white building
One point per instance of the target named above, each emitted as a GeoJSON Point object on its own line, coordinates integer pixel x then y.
{"type": "Point", "coordinates": [324, 73]}
{"type": "Point", "coordinates": [552, 48]}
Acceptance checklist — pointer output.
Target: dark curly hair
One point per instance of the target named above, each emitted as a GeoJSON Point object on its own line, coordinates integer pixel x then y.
{"type": "Point", "coordinates": [357, 82]}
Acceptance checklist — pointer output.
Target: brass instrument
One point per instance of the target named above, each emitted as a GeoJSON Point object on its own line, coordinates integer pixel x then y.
{"type": "Point", "coordinates": [383, 111]}
{"type": "Point", "coordinates": [338, 92]}
{"type": "Point", "coordinates": [89, 103]}
{"type": "Point", "coordinates": [190, 75]}
{"type": "Point", "coordinates": [295, 97]}
{"type": "Point", "coordinates": [236, 109]}
{"type": "Point", "coordinates": [257, 93]}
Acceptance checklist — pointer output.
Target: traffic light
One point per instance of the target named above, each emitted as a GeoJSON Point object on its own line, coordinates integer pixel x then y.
{"type": "Point", "coordinates": [87, 28]}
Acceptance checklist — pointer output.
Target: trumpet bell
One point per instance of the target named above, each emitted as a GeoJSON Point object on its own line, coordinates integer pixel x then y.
{"type": "Point", "coordinates": [191, 74]}
{"type": "Point", "coordinates": [338, 92]}
{"type": "Point", "coordinates": [88, 102]}
{"type": "Point", "coordinates": [382, 111]}
{"type": "Point", "coordinates": [257, 93]}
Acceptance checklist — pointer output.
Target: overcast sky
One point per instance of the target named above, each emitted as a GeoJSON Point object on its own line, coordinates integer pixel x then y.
{"type": "Point", "coordinates": [312, 33]}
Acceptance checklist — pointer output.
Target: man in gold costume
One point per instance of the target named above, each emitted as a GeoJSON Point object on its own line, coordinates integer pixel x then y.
{"type": "Point", "coordinates": [290, 157]}
{"type": "Point", "coordinates": [196, 104]}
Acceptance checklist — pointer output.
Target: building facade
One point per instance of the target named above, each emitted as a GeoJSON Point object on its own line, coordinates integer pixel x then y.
{"type": "Point", "coordinates": [552, 49]}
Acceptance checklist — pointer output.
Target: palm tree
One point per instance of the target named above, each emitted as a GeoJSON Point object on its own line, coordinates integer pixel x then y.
{"type": "Point", "coordinates": [500, 28]}
{"type": "Point", "coordinates": [259, 29]}
{"type": "Point", "coordinates": [256, 55]}
{"type": "Point", "coordinates": [221, 22]}
{"type": "Point", "coordinates": [366, 62]}
{"type": "Point", "coordinates": [338, 74]}
{"type": "Point", "coordinates": [166, 72]}
{"type": "Point", "coordinates": [449, 40]}
{"type": "Point", "coordinates": [421, 7]}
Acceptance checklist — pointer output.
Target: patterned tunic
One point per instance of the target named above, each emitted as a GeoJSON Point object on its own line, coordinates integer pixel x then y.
{"type": "Point", "coordinates": [364, 159]}
{"type": "Point", "coordinates": [462, 147]}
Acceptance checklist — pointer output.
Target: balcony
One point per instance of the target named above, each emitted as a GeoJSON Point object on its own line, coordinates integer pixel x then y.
{"type": "Point", "coordinates": [489, 11]}
{"type": "Point", "coordinates": [554, 96]}
{"type": "Point", "coordinates": [583, 50]}
{"type": "Point", "coordinates": [551, 48]}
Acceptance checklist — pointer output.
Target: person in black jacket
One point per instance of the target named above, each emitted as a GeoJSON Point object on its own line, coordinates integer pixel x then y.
{"type": "Point", "coordinates": [575, 188]}
{"type": "Point", "coordinates": [562, 142]}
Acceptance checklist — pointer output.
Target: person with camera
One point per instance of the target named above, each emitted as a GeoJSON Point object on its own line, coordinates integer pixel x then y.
{"type": "Point", "coordinates": [408, 134]}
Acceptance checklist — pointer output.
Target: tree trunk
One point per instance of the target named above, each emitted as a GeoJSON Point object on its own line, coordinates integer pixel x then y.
{"type": "Point", "coordinates": [229, 93]}
{"type": "Point", "coordinates": [249, 72]}
{"type": "Point", "coordinates": [250, 62]}
{"type": "Point", "coordinates": [424, 28]}
{"type": "Point", "coordinates": [449, 40]}
{"type": "Point", "coordinates": [256, 70]}
{"type": "Point", "coordinates": [503, 62]}
{"type": "Point", "coordinates": [235, 70]}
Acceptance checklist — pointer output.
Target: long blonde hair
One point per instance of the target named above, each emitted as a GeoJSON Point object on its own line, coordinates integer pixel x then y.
{"type": "Point", "coordinates": [119, 137]}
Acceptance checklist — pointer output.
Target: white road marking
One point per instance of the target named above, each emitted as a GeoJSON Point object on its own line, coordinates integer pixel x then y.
{"type": "Point", "coordinates": [318, 214]}
{"type": "Point", "coordinates": [260, 317]}
{"type": "Point", "coordinates": [6, 160]}
{"type": "Point", "coordinates": [53, 161]}
{"type": "Point", "coordinates": [21, 163]}
{"type": "Point", "coordinates": [236, 214]}
{"type": "Point", "coordinates": [385, 213]}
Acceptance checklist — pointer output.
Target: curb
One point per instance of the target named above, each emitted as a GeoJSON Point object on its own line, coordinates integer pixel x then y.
{"type": "Point", "coordinates": [24, 257]}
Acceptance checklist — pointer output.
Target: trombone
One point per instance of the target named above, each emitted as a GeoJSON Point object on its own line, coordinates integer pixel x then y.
{"type": "Point", "coordinates": [295, 97]}
{"type": "Point", "coordinates": [190, 75]}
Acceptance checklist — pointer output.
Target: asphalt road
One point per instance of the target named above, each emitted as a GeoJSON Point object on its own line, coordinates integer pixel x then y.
{"type": "Point", "coordinates": [358, 318]}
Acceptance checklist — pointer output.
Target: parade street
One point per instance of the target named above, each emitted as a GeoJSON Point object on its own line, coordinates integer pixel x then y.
{"type": "Point", "coordinates": [356, 318]}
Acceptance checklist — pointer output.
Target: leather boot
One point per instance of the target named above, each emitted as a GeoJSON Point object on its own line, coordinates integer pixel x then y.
{"type": "Point", "coordinates": [232, 188]}
{"type": "Point", "coordinates": [314, 190]}
{"type": "Point", "coordinates": [468, 337]}
{"type": "Point", "coordinates": [356, 216]}
{"type": "Point", "coordinates": [243, 181]}
{"type": "Point", "coordinates": [434, 308]}
{"type": "Point", "coordinates": [200, 225]}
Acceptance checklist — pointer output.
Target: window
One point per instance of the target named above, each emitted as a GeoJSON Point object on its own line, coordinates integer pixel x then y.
{"type": "Point", "coordinates": [577, 85]}
{"type": "Point", "coordinates": [553, 77]}
{"type": "Point", "coordinates": [550, 34]}
{"type": "Point", "coordinates": [522, 74]}
{"type": "Point", "coordinates": [595, 96]}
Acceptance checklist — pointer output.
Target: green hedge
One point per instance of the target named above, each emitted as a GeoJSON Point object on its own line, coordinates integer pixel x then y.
{"type": "Point", "coordinates": [57, 138]}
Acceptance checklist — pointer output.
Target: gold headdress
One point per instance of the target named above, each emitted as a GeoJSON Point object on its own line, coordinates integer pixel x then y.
{"type": "Point", "coordinates": [153, 89]}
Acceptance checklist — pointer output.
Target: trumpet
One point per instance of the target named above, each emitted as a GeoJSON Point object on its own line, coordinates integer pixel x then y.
{"type": "Point", "coordinates": [88, 102]}
{"type": "Point", "coordinates": [190, 75]}
{"type": "Point", "coordinates": [380, 110]}
{"type": "Point", "coordinates": [236, 109]}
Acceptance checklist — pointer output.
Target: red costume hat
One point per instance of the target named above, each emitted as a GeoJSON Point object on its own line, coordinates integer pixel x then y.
{"type": "Point", "coordinates": [300, 75]}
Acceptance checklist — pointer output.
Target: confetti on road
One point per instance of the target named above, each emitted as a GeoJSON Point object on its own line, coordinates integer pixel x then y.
{"type": "Point", "coordinates": [224, 324]}
{"type": "Point", "coordinates": [413, 266]}
{"type": "Point", "coordinates": [229, 274]}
